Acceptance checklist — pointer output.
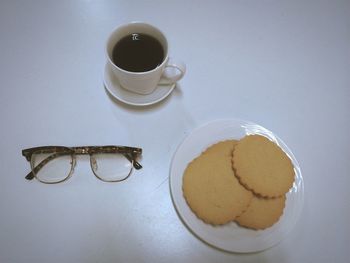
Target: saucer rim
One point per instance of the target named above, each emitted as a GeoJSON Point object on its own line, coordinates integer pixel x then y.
{"type": "Point", "coordinates": [106, 72]}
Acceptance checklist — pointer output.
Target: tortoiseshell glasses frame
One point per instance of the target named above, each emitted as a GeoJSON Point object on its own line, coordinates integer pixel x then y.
{"type": "Point", "coordinates": [54, 152]}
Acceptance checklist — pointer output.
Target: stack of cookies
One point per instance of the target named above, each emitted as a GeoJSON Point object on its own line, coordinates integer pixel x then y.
{"type": "Point", "coordinates": [243, 181]}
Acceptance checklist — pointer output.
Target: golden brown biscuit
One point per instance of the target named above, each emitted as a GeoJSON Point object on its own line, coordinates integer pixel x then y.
{"type": "Point", "coordinates": [262, 212]}
{"type": "Point", "coordinates": [262, 166]}
{"type": "Point", "coordinates": [224, 148]}
{"type": "Point", "coordinates": [210, 187]}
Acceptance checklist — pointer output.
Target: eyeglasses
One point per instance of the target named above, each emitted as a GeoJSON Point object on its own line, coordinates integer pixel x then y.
{"type": "Point", "coordinates": [55, 164]}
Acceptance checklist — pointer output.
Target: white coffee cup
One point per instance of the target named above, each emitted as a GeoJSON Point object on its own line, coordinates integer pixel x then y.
{"type": "Point", "coordinates": [145, 82]}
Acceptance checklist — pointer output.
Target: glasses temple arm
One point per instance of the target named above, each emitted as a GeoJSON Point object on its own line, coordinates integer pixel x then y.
{"type": "Point", "coordinates": [136, 164]}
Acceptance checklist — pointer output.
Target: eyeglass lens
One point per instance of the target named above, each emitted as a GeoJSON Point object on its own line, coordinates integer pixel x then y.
{"type": "Point", "coordinates": [57, 169]}
{"type": "Point", "coordinates": [110, 166]}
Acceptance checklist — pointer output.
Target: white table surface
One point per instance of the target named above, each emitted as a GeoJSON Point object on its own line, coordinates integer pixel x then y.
{"type": "Point", "coordinates": [284, 65]}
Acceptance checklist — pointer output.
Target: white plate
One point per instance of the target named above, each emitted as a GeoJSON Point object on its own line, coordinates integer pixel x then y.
{"type": "Point", "coordinates": [115, 89]}
{"type": "Point", "coordinates": [232, 237]}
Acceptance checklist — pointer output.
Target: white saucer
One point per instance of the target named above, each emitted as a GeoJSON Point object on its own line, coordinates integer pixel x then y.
{"type": "Point", "coordinates": [117, 91]}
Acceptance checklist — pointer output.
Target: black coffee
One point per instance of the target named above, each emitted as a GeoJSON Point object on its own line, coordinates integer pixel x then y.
{"type": "Point", "coordinates": [138, 53]}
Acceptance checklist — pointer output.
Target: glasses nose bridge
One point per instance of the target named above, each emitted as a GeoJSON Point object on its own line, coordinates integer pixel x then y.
{"type": "Point", "coordinates": [82, 150]}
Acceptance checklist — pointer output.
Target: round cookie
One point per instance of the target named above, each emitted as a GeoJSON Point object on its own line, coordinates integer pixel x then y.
{"type": "Point", "coordinates": [262, 166]}
{"type": "Point", "coordinates": [223, 148]}
{"type": "Point", "coordinates": [262, 212]}
{"type": "Point", "coordinates": [210, 188]}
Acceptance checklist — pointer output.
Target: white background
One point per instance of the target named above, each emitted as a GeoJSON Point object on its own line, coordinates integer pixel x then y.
{"type": "Point", "coordinates": [284, 65]}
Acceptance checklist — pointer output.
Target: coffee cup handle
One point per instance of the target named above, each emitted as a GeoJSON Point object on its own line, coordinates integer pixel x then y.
{"type": "Point", "coordinates": [173, 72]}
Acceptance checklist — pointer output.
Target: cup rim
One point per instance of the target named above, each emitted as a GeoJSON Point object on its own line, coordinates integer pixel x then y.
{"type": "Point", "coordinates": [110, 61]}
